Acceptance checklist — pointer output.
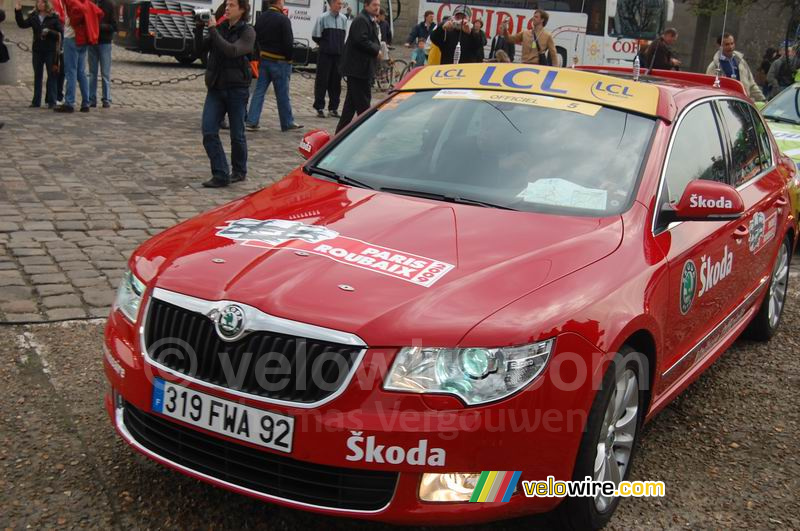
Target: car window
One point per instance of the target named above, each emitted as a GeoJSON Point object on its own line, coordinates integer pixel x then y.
{"type": "Point", "coordinates": [544, 154]}
{"type": "Point", "coordinates": [785, 107]}
{"type": "Point", "coordinates": [763, 139]}
{"type": "Point", "coordinates": [696, 152]}
{"type": "Point", "coordinates": [745, 151]}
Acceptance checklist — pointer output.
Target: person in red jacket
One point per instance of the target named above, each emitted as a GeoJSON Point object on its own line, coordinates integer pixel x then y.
{"type": "Point", "coordinates": [81, 28]}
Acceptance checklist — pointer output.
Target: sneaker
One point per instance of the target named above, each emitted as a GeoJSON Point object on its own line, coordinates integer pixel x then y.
{"type": "Point", "coordinates": [237, 177]}
{"type": "Point", "coordinates": [292, 127]}
{"type": "Point", "coordinates": [252, 127]}
{"type": "Point", "coordinates": [93, 105]}
{"type": "Point", "coordinates": [106, 104]}
{"type": "Point", "coordinates": [334, 113]}
{"type": "Point", "coordinates": [320, 113]}
{"type": "Point", "coordinates": [85, 109]}
{"type": "Point", "coordinates": [65, 108]}
{"type": "Point", "coordinates": [34, 106]}
{"type": "Point", "coordinates": [216, 182]}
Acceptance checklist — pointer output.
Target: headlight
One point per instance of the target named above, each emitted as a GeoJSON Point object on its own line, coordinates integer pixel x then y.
{"type": "Point", "coordinates": [129, 295]}
{"type": "Point", "coordinates": [476, 375]}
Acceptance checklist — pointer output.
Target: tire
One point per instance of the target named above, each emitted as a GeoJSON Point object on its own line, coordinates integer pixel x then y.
{"type": "Point", "coordinates": [396, 72]}
{"type": "Point", "coordinates": [766, 321]}
{"type": "Point", "coordinates": [594, 513]}
{"type": "Point", "coordinates": [186, 60]}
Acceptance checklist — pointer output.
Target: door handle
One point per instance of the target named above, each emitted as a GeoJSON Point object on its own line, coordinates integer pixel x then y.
{"type": "Point", "coordinates": [741, 232]}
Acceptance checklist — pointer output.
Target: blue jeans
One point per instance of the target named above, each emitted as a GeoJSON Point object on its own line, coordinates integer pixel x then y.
{"type": "Point", "coordinates": [278, 73]}
{"type": "Point", "coordinates": [219, 102]}
{"type": "Point", "coordinates": [75, 71]}
{"type": "Point", "coordinates": [100, 54]}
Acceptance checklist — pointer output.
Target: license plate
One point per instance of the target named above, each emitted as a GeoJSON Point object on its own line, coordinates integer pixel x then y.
{"type": "Point", "coordinates": [231, 419]}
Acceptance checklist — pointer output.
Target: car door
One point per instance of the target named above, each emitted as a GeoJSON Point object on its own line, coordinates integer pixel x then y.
{"type": "Point", "coordinates": [756, 177]}
{"type": "Point", "coordinates": [701, 255]}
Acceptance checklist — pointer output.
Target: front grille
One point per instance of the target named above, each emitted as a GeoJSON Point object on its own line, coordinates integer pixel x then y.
{"type": "Point", "coordinates": [275, 475]}
{"type": "Point", "coordinates": [187, 342]}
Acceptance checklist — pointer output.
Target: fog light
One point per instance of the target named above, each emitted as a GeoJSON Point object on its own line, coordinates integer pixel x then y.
{"type": "Point", "coordinates": [452, 487]}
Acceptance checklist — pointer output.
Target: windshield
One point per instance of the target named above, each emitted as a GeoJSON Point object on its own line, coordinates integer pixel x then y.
{"type": "Point", "coordinates": [638, 19]}
{"type": "Point", "coordinates": [544, 155]}
{"type": "Point", "coordinates": [785, 107]}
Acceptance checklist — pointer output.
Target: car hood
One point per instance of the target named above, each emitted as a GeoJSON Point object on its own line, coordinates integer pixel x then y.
{"type": "Point", "coordinates": [477, 260]}
{"type": "Point", "coordinates": [787, 137]}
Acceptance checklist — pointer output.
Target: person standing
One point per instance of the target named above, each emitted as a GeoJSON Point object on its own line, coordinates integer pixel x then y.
{"type": "Point", "coordinates": [81, 28]}
{"type": "Point", "coordinates": [329, 34]}
{"type": "Point", "coordinates": [481, 52]}
{"type": "Point", "coordinates": [227, 78]}
{"type": "Point", "coordinates": [276, 42]}
{"type": "Point", "coordinates": [658, 54]}
{"type": "Point", "coordinates": [421, 30]}
{"type": "Point", "coordinates": [362, 51]}
{"type": "Point", "coordinates": [46, 35]}
{"type": "Point", "coordinates": [536, 41]}
{"type": "Point", "coordinates": [730, 63]}
{"type": "Point", "coordinates": [499, 43]}
{"type": "Point", "coordinates": [455, 33]}
{"type": "Point", "coordinates": [781, 72]}
{"type": "Point", "coordinates": [100, 55]}
{"type": "Point", "coordinates": [385, 27]}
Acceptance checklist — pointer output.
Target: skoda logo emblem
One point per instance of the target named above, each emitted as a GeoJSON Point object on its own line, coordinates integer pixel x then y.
{"type": "Point", "coordinates": [688, 286]}
{"type": "Point", "coordinates": [230, 322]}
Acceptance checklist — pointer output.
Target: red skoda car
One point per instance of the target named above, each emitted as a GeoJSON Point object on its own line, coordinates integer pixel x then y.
{"type": "Point", "coordinates": [497, 268]}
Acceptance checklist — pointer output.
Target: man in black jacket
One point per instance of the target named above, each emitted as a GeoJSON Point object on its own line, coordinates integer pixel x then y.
{"type": "Point", "coordinates": [47, 30]}
{"type": "Point", "coordinates": [457, 31]}
{"type": "Point", "coordinates": [362, 51]}
{"type": "Point", "coordinates": [100, 54]}
{"type": "Point", "coordinates": [276, 42]}
{"type": "Point", "coordinates": [329, 33]}
{"type": "Point", "coordinates": [228, 77]}
{"type": "Point", "coordinates": [658, 54]}
{"type": "Point", "coordinates": [421, 30]}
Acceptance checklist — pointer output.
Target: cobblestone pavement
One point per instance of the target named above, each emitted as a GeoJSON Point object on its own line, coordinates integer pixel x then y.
{"type": "Point", "coordinates": [79, 192]}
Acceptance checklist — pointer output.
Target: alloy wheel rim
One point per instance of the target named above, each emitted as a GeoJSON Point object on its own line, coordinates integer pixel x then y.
{"type": "Point", "coordinates": [617, 434]}
{"type": "Point", "coordinates": [777, 288]}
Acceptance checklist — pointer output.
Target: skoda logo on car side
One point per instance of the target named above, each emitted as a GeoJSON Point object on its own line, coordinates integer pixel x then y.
{"type": "Point", "coordinates": [229, 322]}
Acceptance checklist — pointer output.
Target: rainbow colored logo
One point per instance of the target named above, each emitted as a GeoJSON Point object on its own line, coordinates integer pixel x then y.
{"type": "Point", "coordinates": [494, 486]}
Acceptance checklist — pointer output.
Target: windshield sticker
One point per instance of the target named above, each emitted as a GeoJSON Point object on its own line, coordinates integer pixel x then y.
{"type": "Point", "coordinates": [762, 230]}
{"type": "Point", "coordinates": [785, 135]}
{"type": "Point", "coordinates": [547, 102]}
{"type": "Point", "coordinates": [298, 236]}
{"type": "Point", "coordinates": [560, 192]}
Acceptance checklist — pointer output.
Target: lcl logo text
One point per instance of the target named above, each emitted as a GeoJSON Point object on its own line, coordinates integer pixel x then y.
{"type": "Point", "coordinates": [601, 89]}
{"type": "Point", "coordinates": [442, 77]}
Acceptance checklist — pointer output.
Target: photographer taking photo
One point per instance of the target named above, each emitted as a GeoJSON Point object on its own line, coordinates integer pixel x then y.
{"type": "Point", "coordinates": [228, 74]}
{"type": "Point", "coordinates": [457, 34]}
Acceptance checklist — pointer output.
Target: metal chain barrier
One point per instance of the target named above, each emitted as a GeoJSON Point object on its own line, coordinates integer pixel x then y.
{"type": "Point", "coordinates": [133, 82]}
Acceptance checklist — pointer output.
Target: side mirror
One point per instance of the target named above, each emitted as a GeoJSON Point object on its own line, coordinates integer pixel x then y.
{"type": "Point", "coordinates": [312, 142]}
{"type": "Point", "coordinates": [708, 201]}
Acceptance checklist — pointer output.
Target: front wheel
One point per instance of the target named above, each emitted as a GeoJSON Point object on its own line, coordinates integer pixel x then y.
{"type": "Point", "coordinates": [609, 441]}
{"type": "Point", "coordinates": [765, 323]}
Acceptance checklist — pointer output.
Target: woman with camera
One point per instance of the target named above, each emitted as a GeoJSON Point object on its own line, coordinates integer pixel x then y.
{"type": "Point", "coordinates": [47, 31]}
{"type": "Point", "coordinates": [228, 74]}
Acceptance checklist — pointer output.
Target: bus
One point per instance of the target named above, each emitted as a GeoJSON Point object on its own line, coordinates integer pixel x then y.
{"type": "Point", "coordinates": [166, 27]}
{"type": "Point", "coordinates": [588, 32]}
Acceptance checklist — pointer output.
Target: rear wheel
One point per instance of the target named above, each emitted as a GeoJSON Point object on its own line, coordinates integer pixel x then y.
{"type": "Point", "coordinates": [609, 441]}
{"type": "Point", "coordinates": [186, 60]}
{"type": "Point", "coordinates": [765, 323]}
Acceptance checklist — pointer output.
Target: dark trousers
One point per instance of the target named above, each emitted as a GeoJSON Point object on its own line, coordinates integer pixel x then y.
{"type": "Point", "coordinates": [232, 101]}
{"type": "Point", "coordinates": [43, 61]}
{"type": "Point", "coordinates": [359, 96]}
{"type": "Point", "coordinates": [61, 78]}
{"type": "Point", "coordinates": [328, 80]}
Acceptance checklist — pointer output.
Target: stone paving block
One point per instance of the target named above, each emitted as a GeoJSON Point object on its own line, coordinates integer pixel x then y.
{"type": "Point", "coordinates": [19, 307]}
{"type": "Point", "coordinates": [11, 278]}
{"type": "Point", "coordinates": [100, 282]}
{"type": "Point", "coordinates": [46, 290]}
{"type": "Point", "coordinates": [98, 297]}
{"type": "Point", "coordinates": [8, 226]}
{"type": "Point", "coordinates": [62, 301]}
{"type": "Point", "coordinates": [23, 317]}
{"type": "Point", "coordinates": [35, 260]}
{"type": "Point", "coordinates": [71, 225]}
{"type": "Point", "coordinates": [15, 293]}
{"type": "Point", "coordinates": [52, 278]}
{"type": "Point", "coordinates": [40, 269]}
{"type": "Point", "coordinates": [88, 272]}
{"type": "Point", "coordinates": [66, 313]}
{"type": "Point", "coordinates": [38, 225]}
{"type": "Point", "coordinates": [24, 252]}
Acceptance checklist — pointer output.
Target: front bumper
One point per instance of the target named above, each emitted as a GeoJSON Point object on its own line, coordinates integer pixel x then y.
{"type": "Point", "coordinates": [524, 432]}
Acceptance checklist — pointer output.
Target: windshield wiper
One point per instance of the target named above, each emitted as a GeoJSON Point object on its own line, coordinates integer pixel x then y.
{"type": "Point", "coordinates": [781, 119]}
{"type": "Point", "coordinates": [443, 197]}
{"type": "Point", "coordinates": [339, 178]}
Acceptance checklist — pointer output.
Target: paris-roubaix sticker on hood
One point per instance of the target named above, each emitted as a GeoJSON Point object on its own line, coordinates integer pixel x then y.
{"type": "Point", "coordinates": [322, 241]}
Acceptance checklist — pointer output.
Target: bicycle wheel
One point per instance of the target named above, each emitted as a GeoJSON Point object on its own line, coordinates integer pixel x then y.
{"type": "Point", "coordinates": [396, 71]}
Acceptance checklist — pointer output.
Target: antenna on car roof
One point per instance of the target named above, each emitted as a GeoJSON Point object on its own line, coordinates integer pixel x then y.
{"type": "Point", "coordinates": [721, 39]}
